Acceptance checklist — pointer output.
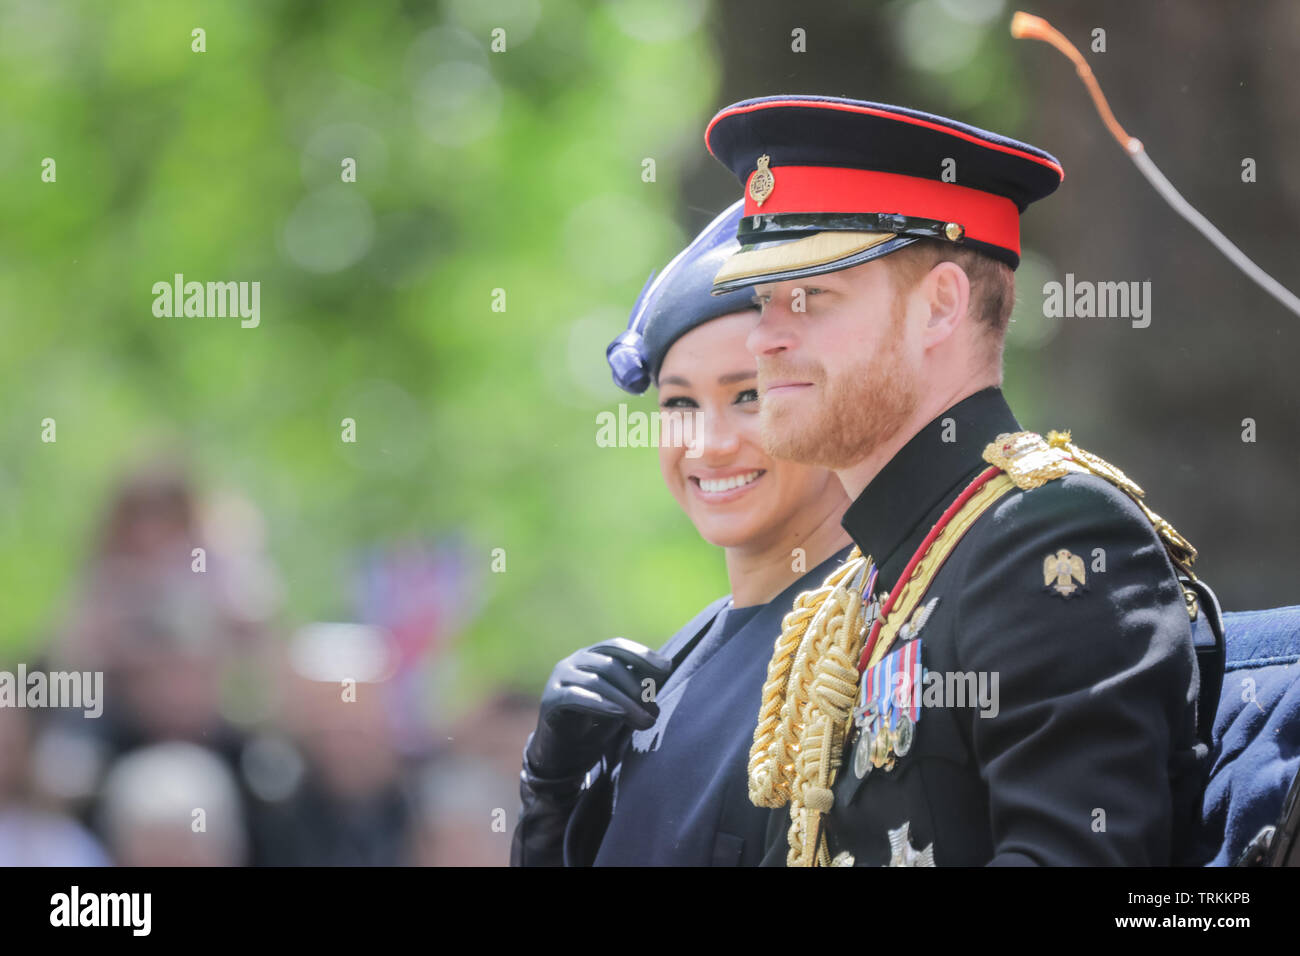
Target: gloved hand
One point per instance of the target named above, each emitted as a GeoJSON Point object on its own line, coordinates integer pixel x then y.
{"type": "Point", "coordinates": [592, 695]}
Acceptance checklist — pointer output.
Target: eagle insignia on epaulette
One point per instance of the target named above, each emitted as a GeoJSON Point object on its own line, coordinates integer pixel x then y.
{"type": "Point", "coordinates": [1061, 570]}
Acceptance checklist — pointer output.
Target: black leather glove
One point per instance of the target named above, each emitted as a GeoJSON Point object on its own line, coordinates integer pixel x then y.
{"type": "Point", "coordinates": [590, 697]}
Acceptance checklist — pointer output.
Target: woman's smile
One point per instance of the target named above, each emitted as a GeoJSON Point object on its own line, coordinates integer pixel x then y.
{"type": "Point", "coordinates": [722, 486]}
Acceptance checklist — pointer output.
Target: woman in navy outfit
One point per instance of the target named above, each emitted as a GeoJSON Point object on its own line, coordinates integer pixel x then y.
{"type": "Point", "coordinates": [640, 756]}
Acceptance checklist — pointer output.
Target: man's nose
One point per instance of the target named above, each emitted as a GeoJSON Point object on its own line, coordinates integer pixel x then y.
{"type": "Point", "coordinates": [774, 331]}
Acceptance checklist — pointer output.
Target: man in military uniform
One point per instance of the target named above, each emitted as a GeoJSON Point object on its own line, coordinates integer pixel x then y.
{"type": "Point", "coordinates": [1009, 678]}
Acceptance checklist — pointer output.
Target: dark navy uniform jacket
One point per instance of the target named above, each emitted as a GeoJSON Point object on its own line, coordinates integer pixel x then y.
{"type": "Point", "coordinates": [1092, 757]}
{"type": "Point", "coordinates": [680, 793]}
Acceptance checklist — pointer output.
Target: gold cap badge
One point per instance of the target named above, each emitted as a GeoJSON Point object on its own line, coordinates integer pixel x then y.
{"type": "Point", "coordinates": [762, 182]}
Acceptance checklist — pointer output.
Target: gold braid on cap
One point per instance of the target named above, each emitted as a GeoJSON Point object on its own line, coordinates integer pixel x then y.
{"type": "Point", "coordinates": [812, 682]}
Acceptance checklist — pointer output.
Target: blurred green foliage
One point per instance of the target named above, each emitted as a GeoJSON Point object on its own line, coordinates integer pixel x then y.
{"type": "Point", "coordinates": [476, 170]}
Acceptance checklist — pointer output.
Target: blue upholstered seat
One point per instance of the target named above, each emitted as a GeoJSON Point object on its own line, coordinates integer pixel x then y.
{"type": "Point", "coordinates": [1256, 736]}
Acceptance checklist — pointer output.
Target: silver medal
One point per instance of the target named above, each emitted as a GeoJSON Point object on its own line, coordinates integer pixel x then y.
{"type": "Point", "coordinates": [862, 755]}
{"type": "Point", "coordinates": [903, 735]}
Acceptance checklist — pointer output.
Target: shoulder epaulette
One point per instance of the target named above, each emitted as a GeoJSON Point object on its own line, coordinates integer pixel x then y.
{"type": "Point", "coordinates": [1028, 459]}
{"type": "Point", "coordinates": [1031, 461]}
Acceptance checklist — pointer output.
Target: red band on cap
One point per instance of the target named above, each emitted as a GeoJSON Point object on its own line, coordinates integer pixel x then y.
{"type": "Point", "coordinates": [985, 216]}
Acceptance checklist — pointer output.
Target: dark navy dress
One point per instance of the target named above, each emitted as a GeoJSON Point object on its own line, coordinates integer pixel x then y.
{"type": "Point", "coordinates": [680, 794]}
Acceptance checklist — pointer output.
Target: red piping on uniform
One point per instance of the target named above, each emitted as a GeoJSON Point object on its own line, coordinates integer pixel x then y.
{"type": "Point", "coordinates": [939, 525]}
{"type": "Point", "coordinates": [985, 217]}
{"type": "Point", "coordinates": [885, 114]}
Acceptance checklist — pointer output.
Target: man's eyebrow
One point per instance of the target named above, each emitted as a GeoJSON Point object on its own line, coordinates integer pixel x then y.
{"type": "Point", "coordinates": [732, 377]}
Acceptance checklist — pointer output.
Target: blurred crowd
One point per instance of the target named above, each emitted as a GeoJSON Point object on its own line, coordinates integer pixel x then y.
{"type": "Point", "coordinates": [228, 738]}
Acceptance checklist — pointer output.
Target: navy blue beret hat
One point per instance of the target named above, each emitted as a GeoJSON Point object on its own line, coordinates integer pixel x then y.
{"type": "Point", "coordinates": [676, 301]}
{"type": "Point", "coordinates": [831, 183]}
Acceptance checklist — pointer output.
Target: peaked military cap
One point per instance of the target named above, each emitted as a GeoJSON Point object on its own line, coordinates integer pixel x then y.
{"type": "Point", "coordinates": [831, 183]}
{"type": "Point", "coordinates": [676, 301]}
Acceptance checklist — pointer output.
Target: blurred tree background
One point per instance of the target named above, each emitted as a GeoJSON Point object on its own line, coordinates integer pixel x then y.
{"type": "Point", "coordinates": [522, 170]}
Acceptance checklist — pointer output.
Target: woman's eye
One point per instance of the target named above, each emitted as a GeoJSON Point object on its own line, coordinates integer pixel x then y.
{"type": "Point", "coordinates": [760, 301]}
{"type": "Point", "coordinates": [748, 395]}
{"type": "Point", "coordinates": [678, 401]}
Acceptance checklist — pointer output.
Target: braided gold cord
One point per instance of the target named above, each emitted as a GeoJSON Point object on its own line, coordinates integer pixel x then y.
{"type": "Point", "coordinates": [785, 691]}
{"type": "Point", "coordinates": [833, 690]}
{"type": "Point", "coordinates": [770, 767]}
{"type": "Point", "coordinates": [810, 690]}
{"type": "Point", "coordinates": [808, 737]}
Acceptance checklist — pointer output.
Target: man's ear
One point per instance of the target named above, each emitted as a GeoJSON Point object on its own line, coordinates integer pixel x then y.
{"type": "Point", "coordinates": [946, 292]}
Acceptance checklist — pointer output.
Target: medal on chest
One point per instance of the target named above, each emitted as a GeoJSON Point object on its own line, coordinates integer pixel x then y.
{"type": "Point", "coordinates": [889, 706]}
{"type": "Point", "coordinates": [889, 699]}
